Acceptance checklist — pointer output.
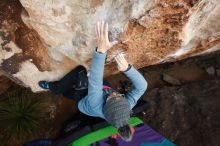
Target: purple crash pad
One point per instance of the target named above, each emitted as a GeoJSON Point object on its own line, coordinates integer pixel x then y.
{"type": "Point", "coordinates": [143, 133]}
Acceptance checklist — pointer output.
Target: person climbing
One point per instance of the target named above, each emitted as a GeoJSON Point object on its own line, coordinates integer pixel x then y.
{"type": "Point", "coordinates": [94, 96]}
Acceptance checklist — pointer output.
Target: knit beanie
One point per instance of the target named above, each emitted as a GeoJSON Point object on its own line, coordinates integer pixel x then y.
{"type": "Point", "coordinates": [117, 112]}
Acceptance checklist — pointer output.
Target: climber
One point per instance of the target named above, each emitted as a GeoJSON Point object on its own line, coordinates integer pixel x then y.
{"type": "Point", "coordinates": [94, 96]}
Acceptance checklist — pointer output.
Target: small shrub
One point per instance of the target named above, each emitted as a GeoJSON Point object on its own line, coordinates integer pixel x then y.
{"type": "Point", "coordinates": [22, 115]}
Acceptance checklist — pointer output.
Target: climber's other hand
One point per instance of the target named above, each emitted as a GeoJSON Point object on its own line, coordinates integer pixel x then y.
{"type": "Point", "coordinates": [122, 62]}
{"type": "Point", "coordinates": [102, 37]}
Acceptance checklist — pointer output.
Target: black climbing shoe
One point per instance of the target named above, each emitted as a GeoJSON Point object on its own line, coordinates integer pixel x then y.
{"type": "Point", "coordinates": [44, 84]}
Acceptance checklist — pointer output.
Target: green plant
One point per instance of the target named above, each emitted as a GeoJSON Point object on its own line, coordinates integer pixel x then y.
{"type": "Point", "coordinates": [22, 116]}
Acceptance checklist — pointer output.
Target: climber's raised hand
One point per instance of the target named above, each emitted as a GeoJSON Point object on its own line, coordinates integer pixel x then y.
{"type": "Point", "coordinates": [102, 37]}
{"type": "Point", "coordinates": [122, 62]}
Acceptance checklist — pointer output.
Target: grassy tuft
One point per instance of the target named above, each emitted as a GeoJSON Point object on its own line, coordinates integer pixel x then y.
{"type": "Point", "coordinates": [23, 115]}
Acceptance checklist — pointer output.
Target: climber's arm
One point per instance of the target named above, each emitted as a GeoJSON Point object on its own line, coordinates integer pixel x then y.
{"type": "Point", "coordinates": [138, 81]}
{"type": "Point", "coordinates": [92, 103]}
{"type": "Point", "coordinates": [96, 79]}
{"type": "Point", "coordinates": [139, 86]}
{"type": "Point", "coordinates": [97, 67]}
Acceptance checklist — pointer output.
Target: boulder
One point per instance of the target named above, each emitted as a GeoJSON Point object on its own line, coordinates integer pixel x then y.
{"type": "Point", "coordinates": [187, 114]}
{"type": "Point", "coordinates": [43, 40]}
{"type": "Point", "coordinates": [210, 70]}
{"type": "Point", "coordinates": [171, 80]}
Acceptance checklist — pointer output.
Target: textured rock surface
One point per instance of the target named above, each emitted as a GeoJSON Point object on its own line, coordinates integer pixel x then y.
{"type": "Point", "coordinates": [188, 115]}
{"type": "Point", "coordinates": [44, 40]}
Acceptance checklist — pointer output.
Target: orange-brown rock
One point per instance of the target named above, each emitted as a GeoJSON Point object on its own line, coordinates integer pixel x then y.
{"type": "Point", "coordinates": [44, 40]}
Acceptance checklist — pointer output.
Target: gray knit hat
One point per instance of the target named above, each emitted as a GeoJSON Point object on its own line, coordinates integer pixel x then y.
{"type": "Point", "coordinates": [117, 112]}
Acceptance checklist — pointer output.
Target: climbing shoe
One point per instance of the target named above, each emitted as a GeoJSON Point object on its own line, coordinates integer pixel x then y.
{"type": "Point", "coordinates": [44, 84]}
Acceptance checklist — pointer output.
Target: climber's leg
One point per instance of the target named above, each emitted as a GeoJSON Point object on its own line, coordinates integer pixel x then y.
{"type": "Point", "coordinates": [67, 82]}
{"type": "Point", "coordinates": [75, 94]}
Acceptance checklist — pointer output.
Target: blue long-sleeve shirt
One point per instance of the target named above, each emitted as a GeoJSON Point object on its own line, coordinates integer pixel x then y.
{"type": "Point", "coordinates": [93, 103]}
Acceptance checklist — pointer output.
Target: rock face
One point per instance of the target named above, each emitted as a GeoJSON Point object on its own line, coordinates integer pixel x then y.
{"type": "Point", "coordinates": [44, 40]}
{"type": "Point", "coordinates": [188, 115]}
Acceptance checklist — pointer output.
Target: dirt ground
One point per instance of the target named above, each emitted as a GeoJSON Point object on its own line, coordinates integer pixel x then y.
{"type": "Point", "coordinates": [187, 113]}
